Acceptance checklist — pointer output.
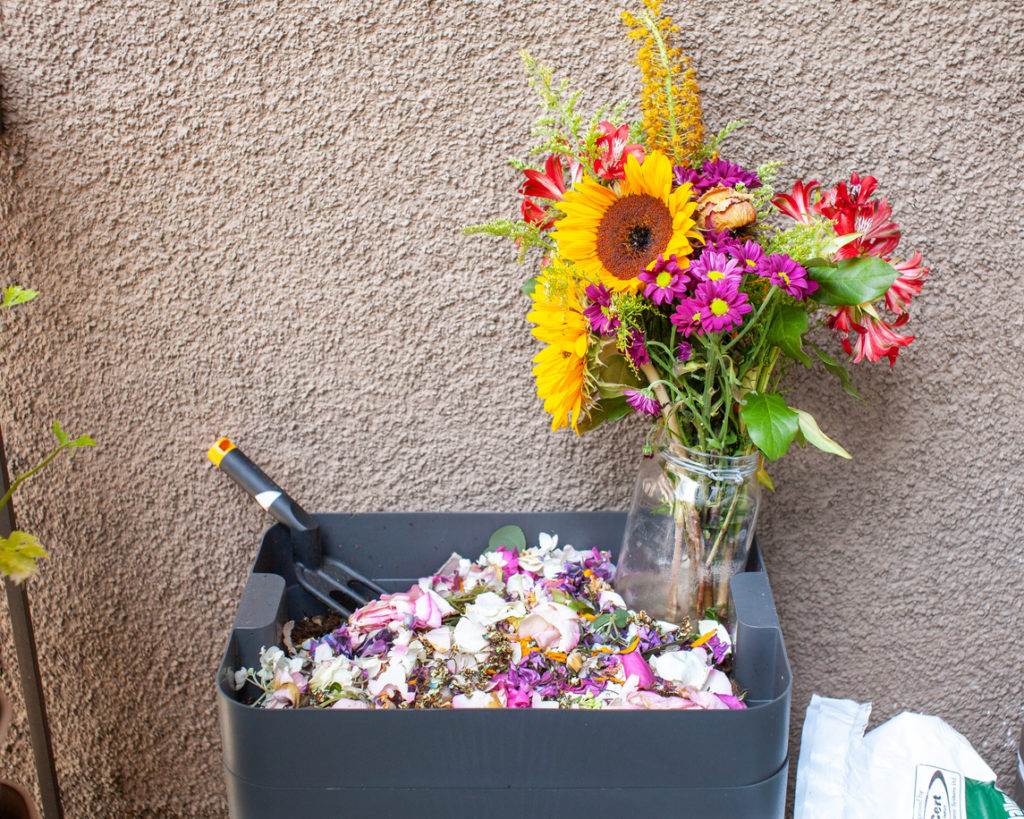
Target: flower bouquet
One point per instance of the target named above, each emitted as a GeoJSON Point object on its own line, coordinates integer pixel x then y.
{"type": "Point", "coordinates": [532, 627]}
{"type": "Point", "coordinates": [679, 286]}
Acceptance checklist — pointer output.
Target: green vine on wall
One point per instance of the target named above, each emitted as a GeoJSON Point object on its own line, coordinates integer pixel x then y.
{"type": "Point", "coordinates": [21, 552]}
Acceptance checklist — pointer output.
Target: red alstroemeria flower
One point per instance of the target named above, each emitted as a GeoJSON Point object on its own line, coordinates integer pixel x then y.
{"type": "Point", "coordinates": [845, 196]}
{"type": "Point", "coordinates": [547, 185]}
{"type": "Point", "coordinates": [879, 235]}
{"type": "Point", "coordinates": [797, 206]}
{"type": "Point", "coordinates": [616, 148]}
{"type": "Point", "coordinates": [875, 338]}
{"type": "Point", "coordinates": [908, 284]}
{"type": "Point", "coordinates": [535, 214]}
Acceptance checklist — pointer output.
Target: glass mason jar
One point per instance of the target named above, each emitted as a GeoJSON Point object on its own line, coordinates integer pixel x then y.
{"type": "Point", "coordinates": [688, 531]}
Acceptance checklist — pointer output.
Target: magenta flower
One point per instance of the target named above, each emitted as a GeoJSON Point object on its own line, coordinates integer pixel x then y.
{"type": "Point", "coordinates": [748, 256]}
{"type": "Point", "coordinates": [634, 665]}
{"type": "Point", "coordinates": [684, 350]}
{"type": "Point", "coordinates": [682, 175]}
{"type": "Point", "coordinates": [511, 558]}
{"type": "Point", "coordinates": [722, 305]}
{"type": "Point", "coordinates": [598, 313]}
{"type": "Point", "coordinates": [721, 241]}
{"type": "Point", "coordinates": [716, 267]}
{"type": "Point", "coordinates": [787, 275]}
{"type": "Point", "coordinates": [642, 401]}
{"type": "Point", "coordinates": [722, 172]}
{"type": "Point", "coordinates": [637, 349]}
{"type": "Point", "coordinates": [687, 316]}
{"type": "Point", "coordinates": [666, 281]}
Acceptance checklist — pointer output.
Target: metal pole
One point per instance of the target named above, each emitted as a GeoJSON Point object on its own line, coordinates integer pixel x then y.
{"type": "Point", "coordinates": [28, 666]}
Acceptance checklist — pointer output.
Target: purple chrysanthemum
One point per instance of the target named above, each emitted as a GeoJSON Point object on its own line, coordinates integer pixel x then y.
{"type": "Point", "coordinates": [642, 401]}
{"type": "Point", "coordinates": [723, 172]}
{"type": "Point", "coordinates": [748, 256]}
{"type": "Point", "coordinates": [788, 275]}
{"type": "Point", "coordinates": [716, 267]}
{"type": "Point", "coordinates": [637, 349]}
{"type": "Point", "coordinates": [666, 280]}
{"type": "Point", "coordinates": [687, 316]}
{"type": "Point", "coordinates": [720, 241]}
{"type": "Point", "coordinates": [722, 305]}
{"type": "Point", "coordinates": [684, 349]}
{"type": "Point", "coordinates": [682, 175]}
{"type": "Point", "coordinates": [598, 312]}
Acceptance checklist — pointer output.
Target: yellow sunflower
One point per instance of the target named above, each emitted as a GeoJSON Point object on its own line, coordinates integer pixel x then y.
{"type": "Point", "coordinates": [613, 235]}
{"type": "Point", "coordinates": [561, 367]}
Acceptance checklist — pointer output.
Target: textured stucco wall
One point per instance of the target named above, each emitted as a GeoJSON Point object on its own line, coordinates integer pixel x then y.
{"type": "Point", "coordinates": [242, 217]}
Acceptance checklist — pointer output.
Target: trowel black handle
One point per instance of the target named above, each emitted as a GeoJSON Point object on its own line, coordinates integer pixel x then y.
{"type": "Point", "coordinates": [304, 528]}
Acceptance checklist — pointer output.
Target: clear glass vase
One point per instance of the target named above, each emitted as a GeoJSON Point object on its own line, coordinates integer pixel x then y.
{"type": "Point", "coordinates": [688, 531]}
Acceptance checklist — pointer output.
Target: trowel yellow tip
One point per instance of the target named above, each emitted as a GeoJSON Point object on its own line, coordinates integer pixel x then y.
{"type": "Point", "coordinates": [219, 450]}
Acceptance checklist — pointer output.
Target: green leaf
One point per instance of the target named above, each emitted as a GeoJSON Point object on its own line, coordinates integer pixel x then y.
{"type": "Point", "coordinates": [852, 281]}
{"type": "Point", "coordinates": [19, 554]}
{"type": "Point", "coordinates": [529, 285]}
{"type": "Point", "coordinates": [17, 295]}
{"type": "Point", "coordinates": [615, 374]}
{"type": "Point", "coordinates": [771, 424]}
{"type": "Point", "coordinates": [812, 432]}
{"type": "Point", "coordinates": [787, 330]}
{"type": "Point", "coordinates": [832, 247]}
{"type": "Point", "coordinates": [84, 440]}
{"type": "Point", "coordinates": [839, 371]}
{"type": "Point", "coordinates": [620, 618]}
{"type": "Point", "coordinates": [763, 477]}
{"type": "Point", "coordinates": [510, 537]}
{"type": "Point", "coordinates": [62, 437]}
{"type": "Point", "coordinates": [607, 409]}
{"type": "Point", "coordinates": [601, 621]}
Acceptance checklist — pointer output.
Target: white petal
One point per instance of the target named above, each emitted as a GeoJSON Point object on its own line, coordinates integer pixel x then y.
{"type": "Point", "coordinates": [686, 667]}
{"type": "Point", "coordinates": [469, 636]}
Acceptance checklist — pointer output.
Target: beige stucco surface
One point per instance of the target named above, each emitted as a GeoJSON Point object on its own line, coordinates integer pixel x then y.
{"type": "Point", "coordinates": [243, 220]}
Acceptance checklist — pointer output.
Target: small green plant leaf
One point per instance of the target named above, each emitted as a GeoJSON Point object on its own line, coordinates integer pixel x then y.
{"type": "Point", "coordinates": [813, 435]}
{"type": "Point", "coordinates": [787, 330]}
{"type": "Point", "coordinates": [852, 281]}
{"type": "Point", "coordinates": [833, 245]}
{"type": "Point", "coordinates": [763, 477]}
{"type": "Point", "coordinates": [509, 537]}
{"type": "Point", "coordinates": [17, 295]}
{"type": "Point", "coordinates": [529, 286]}
{"type": "Point", "coordinates": [839, 371]}
{"type": "Point", "coordinates": [83, 440]}
{"type": "Point", "coordinates": [620, 618]}
{"type": "Point", "coordinates": [605, 410]}
{"type": "Point", "coordinates": [772, 425]}
{"type": "Point", "coordinates": [19, 555]}
{"type": "Point", "coordinates": [62, 437]}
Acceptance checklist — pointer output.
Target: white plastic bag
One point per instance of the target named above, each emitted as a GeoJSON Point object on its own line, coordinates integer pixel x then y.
{"type": "Point", "coordinates": [912, 767]}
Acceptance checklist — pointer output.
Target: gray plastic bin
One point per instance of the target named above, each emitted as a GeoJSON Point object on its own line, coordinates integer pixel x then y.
{"type": "Point", "coordinates": [493, 762]}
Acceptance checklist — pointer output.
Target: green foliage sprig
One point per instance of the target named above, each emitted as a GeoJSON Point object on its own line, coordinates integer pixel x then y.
{"type": "Point", "coordinates": [21, 552]}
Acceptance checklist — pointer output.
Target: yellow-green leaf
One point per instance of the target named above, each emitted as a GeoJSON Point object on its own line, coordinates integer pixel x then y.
{"type": "Point", "coordinates": [19, 554]}
{"type": "Point", "coordinates": [814, 436]}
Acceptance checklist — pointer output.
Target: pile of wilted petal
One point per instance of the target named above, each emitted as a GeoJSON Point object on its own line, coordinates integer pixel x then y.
{"type": "Point", "coordinates": [532, 628]}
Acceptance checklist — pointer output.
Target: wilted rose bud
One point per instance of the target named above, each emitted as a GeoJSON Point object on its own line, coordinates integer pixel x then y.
{"type": "Point", "coordinates": [723, 208]}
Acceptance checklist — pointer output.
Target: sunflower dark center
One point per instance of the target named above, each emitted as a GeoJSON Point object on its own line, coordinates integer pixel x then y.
{"type": "Point", "coordinates": [632, 232]}
{"type": "Point", "coordinates": [639, 237]}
